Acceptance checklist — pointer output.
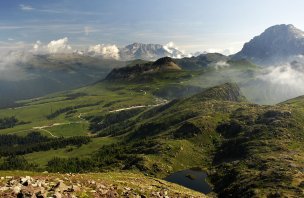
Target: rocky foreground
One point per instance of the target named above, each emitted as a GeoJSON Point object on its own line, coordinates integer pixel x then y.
{"type": "Point", "coordinates": [27, 184]}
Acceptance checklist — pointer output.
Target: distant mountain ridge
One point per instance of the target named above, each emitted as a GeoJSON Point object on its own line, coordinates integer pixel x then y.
{"type": "Point", "coordinates": [276, 44]}
{"type": "Point", "coordinates": [149, 52]}
{"type": "Point", "coordinates": [201, 61]}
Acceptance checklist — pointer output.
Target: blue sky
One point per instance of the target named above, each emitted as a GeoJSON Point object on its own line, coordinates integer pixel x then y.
{"type": "Point", "coordinates": [193, 25]}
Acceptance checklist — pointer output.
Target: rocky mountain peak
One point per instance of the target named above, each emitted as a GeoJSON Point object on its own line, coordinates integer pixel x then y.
{"type": "Point", "coordinates": [284, 31]}
{"type": "Point", "coordinates": [276, 44]}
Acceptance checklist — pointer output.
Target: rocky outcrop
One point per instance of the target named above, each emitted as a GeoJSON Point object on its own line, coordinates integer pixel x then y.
{"type": "Point", "coordinates": [90, 185]}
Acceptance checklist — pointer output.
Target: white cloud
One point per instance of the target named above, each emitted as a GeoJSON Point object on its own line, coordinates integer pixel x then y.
{"type": "Point", "coordinates": [169, 47]}
{"type": "Point", "coordinates": [59, 46]}
{"type": "Point", "coordinates": [79, 52]}
{"type": "Point", "coordinates": [37, 46]}
{"type": "Point", "coordinates": [221, 64]}
{"type": "Point", "coordinates": [10, 64]}
{"type": "Point", "coordinates": [174, 51]}
{"type": "Point", "coordinates": [284, 75]}
{"type": "Point", "coordinates": [226, 52]}
{"type": "Point", "coordinates": [283, 82]}
{"type": "Point", "coordinates": [105, 51]}
{"type": "Point", "coordinates": [26, 7]}
{"type": "Point", "coordinates": [55, 46]}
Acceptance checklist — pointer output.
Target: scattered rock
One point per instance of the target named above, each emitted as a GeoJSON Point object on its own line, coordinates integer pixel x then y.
{"type": "Point", "coordinates": [72, 186]}
{"type": "Point", "coordinates": [16, 189]}
{"type": "Point", "coordinates": [57, 195]}
{"type": "Point", "coordinates": [4, 188]}
{"type": "Point", "coordinates": [127, 188]}
{"type": "Point", "coordinates": [39, 195]}
{"type": "Point", "coordinates": [75, 188]}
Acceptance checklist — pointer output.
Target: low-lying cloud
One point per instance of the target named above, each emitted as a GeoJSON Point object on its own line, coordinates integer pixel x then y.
{"type": "Point", "coordinates": [10, 65]}
{"type": "Point", "coordinates": [221, 65]}
{"type": "Point", "coordinates": [267, 85]}
{"type": "Point", "coordinates": [283, 82]}
{"type": "Point", "coordinates": [175, 52]}
{"type": "Point", "coordinates": [284, 75]}
{"type": "Point", "coordinates": [59, 46]}
{"type": "Point", "coordinates": [56, 46]}
{"type": "Point", "coordinates": [169, 47]}
{"type": "Point", "coordinates": [104, 51]}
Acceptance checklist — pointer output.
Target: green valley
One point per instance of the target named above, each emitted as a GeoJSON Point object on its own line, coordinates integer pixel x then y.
{"type": "Point", "coordinates": [156, 118]}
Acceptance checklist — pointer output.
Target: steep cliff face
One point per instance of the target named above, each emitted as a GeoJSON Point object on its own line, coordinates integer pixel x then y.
{"type": "Point", "coordinates": [276, 44]}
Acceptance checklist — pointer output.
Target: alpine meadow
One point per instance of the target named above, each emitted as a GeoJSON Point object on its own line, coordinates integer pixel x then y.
{"type": "Point", "coordinates": [130, 98]}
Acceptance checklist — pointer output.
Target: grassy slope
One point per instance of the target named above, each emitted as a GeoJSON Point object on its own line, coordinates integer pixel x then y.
{"type": "Point", "coordinates": [83, 151]}
{"type": "Point", "coordinates": [109, 96]}
{"type": "Point", "coordinates": [248, 150]}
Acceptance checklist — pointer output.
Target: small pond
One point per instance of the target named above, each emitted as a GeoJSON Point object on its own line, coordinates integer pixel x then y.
{"type": "Point", "coordinates": [193, 179]}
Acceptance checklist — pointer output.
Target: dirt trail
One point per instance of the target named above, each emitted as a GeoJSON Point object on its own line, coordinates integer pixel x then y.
{"type": "Point", "coordinates": [43, 128]}
{"type": "Point", "coordinates": [48, 132]}
{"type": "Point", "coordinates": [139, 106]}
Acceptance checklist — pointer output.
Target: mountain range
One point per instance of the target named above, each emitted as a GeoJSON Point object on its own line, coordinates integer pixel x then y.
{"type": "Point", "coordinates": [34, 75]}
{"type": "Point", "coordinates": [277, 44]}
{"type": "Point", "coordinates": [149, 52]}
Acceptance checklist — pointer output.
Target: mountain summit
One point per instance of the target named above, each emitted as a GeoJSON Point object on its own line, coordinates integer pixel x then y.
{"type": "Point", "coordinates": [276, 44]}
{"type": "Point", "coordinates": [165, 64]}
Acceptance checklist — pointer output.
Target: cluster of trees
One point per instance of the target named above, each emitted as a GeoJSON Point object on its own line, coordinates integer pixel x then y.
{"type": "Point", "coordinates": [126, 156]}
{"type": "Point", "coordinates": [68, 109]}
{"type": "Point", "coordinates": [73, 165]}
{"type": "Point", "coordinates": [8, 122]}
{"type": "Point", "coordinates": [12, 147]}
{"type": "Point", "coordinates": [102, 122]}
{"type": "Point", "coordinates": [73, 96]}
{"type": "Point", "coordinates": [33, 142]}
{"type": "Point", "coordinates": [11, 140]}
{"type": "Point", "coordinates": [14, 162]}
